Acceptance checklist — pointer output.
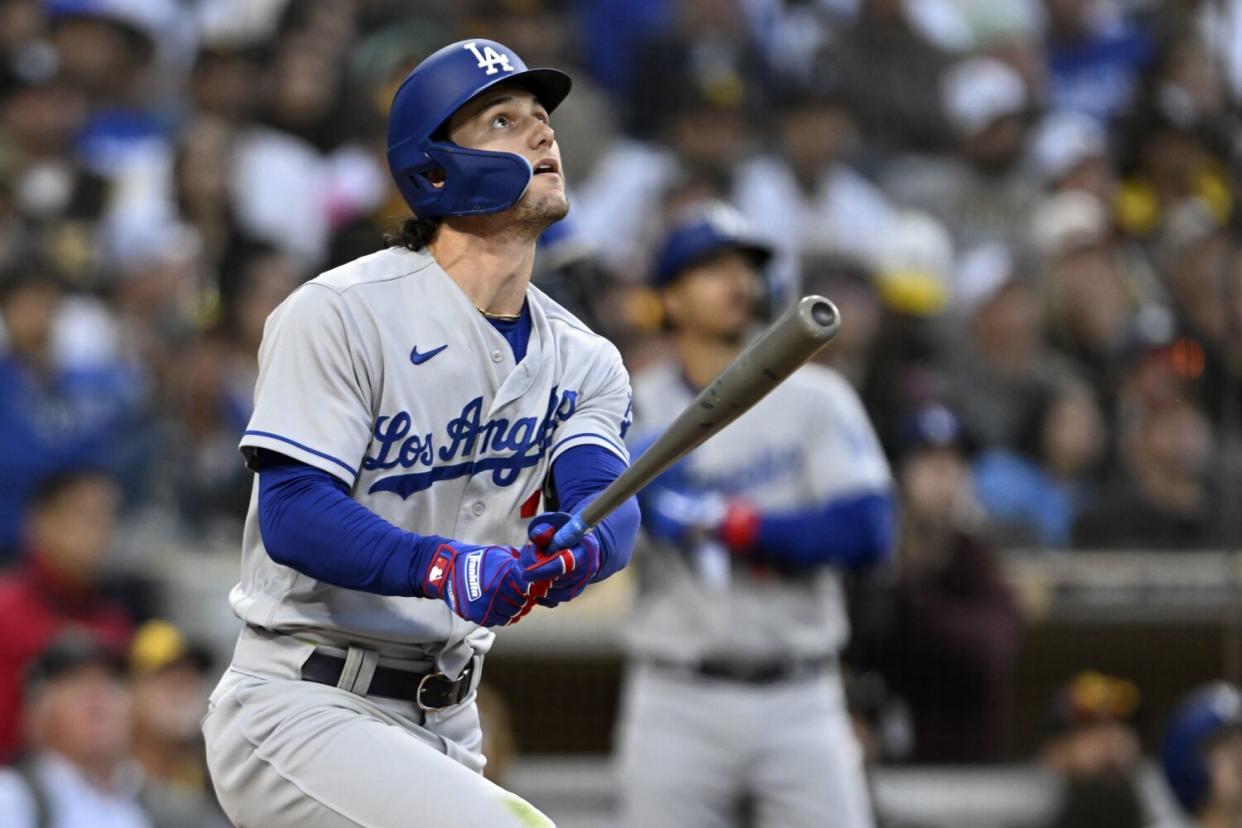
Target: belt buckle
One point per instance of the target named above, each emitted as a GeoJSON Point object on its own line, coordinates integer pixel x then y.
{"type": "Point", "coordinates": [418, 694]}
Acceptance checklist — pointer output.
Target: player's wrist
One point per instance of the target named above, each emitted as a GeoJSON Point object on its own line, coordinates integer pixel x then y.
{"type": "Point", "coordinates": [739, 528]}
{"type": "Point", "coordinates": [426, 550]}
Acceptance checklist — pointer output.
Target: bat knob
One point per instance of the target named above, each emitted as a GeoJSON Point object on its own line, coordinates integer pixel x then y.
{"type": "Point", "coordinates": [819, 318]}
{"type": "Point", "coordinates": [825, 313]}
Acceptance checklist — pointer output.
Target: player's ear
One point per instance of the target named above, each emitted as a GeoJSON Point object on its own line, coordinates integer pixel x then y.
{"type": "Point", "coordinates": [672, 302]}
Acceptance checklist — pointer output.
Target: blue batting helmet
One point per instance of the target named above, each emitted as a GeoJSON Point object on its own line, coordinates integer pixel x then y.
{"type": "Point", "coordinates": [474, 181]}
{"type": "Point", "coordinates": [1201, 716]}
{"type": "Point", "coordinates": [714, 228]}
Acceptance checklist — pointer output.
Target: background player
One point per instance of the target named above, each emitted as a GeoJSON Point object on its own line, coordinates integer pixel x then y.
{"type": "Point", "coordinates": [734, 699]}
{"type": "Point", "coordinates": [1202, 755]}
{"type": "Point", "coordinates": [413, 409]}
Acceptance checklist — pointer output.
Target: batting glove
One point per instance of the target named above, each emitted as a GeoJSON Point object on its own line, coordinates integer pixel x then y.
{"type": "Point", "coordinates": [483, 584]}
{"type": "Point", "coordinates": [684, 518]}
{"type": "Point", "coordinates": [681, 516]}
{"type": "Point", "coordinates": [557, 575]}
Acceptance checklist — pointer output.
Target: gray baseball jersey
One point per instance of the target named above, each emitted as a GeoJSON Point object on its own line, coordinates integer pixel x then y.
{"type": "Point", "coordinates": [383, 373]}
{"type": "Point", "coordinates": [807, 442]}
{"type": "Point", "coordinates": [689, 748]}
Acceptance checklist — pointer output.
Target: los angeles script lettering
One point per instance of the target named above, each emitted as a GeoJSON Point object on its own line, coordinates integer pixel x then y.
{"type": "Point", "coordinates": [504, 446]}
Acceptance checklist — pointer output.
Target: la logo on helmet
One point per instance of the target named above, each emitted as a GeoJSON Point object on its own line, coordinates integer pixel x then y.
{"type": "Point", "coordinates": [489, 58]}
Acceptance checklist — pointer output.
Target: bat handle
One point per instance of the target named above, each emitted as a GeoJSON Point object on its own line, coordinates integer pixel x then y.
{"type": "Point", "coordinates": [570, 535]}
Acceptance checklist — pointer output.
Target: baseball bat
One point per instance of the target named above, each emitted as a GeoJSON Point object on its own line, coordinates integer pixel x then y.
{"type": "Point", "coordinates": [767, 362]}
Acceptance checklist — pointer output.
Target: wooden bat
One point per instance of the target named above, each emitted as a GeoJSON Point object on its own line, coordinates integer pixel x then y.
{"type": "Point", "coordinates": [779, 351]}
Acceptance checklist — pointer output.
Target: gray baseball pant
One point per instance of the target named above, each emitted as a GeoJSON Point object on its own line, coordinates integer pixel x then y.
{"type": "Point", "coordinates": [288, 752]}
{"type": "Point", "coordinates": [692, 749]}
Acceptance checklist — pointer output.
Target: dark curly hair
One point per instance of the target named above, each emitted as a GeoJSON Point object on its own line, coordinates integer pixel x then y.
{"type": "Point", "coordinates": [415, 233]}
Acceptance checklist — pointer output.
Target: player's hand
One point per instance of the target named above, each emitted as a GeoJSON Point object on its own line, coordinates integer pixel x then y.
{"type": "Point", "coordinates": [557, 575]}
{"type": "Point", "coordinates": [685, 517]}
{"type": "Point", "coordinates": [681, 516]}
{"type": "Point", "coordinates": [483, 584]}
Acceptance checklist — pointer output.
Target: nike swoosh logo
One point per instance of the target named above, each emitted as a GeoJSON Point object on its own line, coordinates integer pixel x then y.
{"type": "Point", "coordinates": [419, 359]}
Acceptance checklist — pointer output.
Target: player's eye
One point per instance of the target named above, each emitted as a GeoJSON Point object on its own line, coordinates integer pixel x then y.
{"type": "Point", "coordinates": [501, 121]}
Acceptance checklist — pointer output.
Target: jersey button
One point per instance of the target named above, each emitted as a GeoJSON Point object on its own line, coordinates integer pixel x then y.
{"type": "Point", "coordinates": [478, 508]}
{"type": "Point", "coordinates": [497, 356]}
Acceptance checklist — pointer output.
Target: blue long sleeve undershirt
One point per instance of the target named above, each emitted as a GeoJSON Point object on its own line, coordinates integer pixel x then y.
{"type": "Point", "coordinates": [309, 522]}
{"type": "Point", "coordinates": [578, 476]}
{"type": "Point", "coordinates": [850, 532]}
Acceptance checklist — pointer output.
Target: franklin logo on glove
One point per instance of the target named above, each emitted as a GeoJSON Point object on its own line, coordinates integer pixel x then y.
{"type": "Point", "coordinates": [472, 576]}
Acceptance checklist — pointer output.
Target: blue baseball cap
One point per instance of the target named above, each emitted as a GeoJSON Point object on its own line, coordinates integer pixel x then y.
{"type": "Point", "coordinates": [1200, 717]}
{"type": "Point", "coordinates": [713, 230]}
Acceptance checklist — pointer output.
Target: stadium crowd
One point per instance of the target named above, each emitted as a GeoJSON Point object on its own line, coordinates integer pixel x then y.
{"type": "Point", "coordinates": [1025, 209]}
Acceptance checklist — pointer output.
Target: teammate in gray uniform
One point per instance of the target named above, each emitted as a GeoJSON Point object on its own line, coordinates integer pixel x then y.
{"type": "Point", "coordinates": [415, 410]}
{"type": "Point", "coordinates": [734, 701]}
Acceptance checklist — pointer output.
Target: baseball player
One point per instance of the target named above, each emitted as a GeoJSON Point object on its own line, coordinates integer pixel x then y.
{"type": "Point", "coordinates": [1202, 755]}
{"type": "Point", "coordinates": [415, 410]}
{"type": "Point", "coordinates": [734, 702]}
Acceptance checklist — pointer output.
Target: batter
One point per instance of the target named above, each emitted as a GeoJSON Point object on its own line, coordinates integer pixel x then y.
{"type": "Point", "coordinates": [421, 414]}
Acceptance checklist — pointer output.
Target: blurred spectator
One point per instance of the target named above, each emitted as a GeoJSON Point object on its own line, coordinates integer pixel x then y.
{"type": "Point", "coordinates": [1201, 268]}
{"type": "Point", "coordinates": [210, 394]}
{"type": "Point", "coordinates": [1033, 493]}
{"type": "Point", "coordinates": [203, 200]}
{"type": "Point", "coordinates": [79, 773]}
{"type": "Point", "coordinates": [1219, 24]}
{"type": "Point", "coordinates": [305, 100]}
{"type": "Point", "coordinates": [57, 203]}
{"type": "Point", "coordinates": [1099, 293]}
{"type": "Point", "coordinates": [612, 33]}
{"type": "Point", "coordinates": [638, 187]}
{"type": "Point", "coordinates": [709, 48]}
{"type": "Point", "coordinates": [1095, 56]}
{"type": "Point", "coordinates": [806, 199]}
{"type": "Point", "coordinates": [52, 416]}
{"type": "Point", "coordinates": [1202, 755]}
{"type": "Point", "coordinates": [170, 679]}
{"type": "Point", "coordinates": [889, 71]}
{"type": "Point", "coordinates": [1169, 164]}
{"type": "Point", "coordinates": [981, 191]}
{"type": "Point", "coordinates": [1092, 747]}
{"type": "Point", "coordinates": [1070, 151]}
{"type": "Point", "coordinates": [913, 280]}
{"type": "Point", "coordinates": [223, 83]}
{"type": "Point", "coordinates": [914, 267]}
{"type": "Point", "coordinates": [945, 633]}
{"type": "Point", "coordinates": [999, 365]}
{"type": "Point", "coordinates": [1162, 496]}
{"type": "Point", "coordinates": [20, 23]}
{"type": "Point", "coordinates": [108, 50]}
{"type": "Point", "coordinates": [57, 587]}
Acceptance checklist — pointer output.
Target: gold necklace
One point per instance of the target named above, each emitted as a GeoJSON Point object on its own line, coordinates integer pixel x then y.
{"type": "Point", "coordinates": [503, 317]}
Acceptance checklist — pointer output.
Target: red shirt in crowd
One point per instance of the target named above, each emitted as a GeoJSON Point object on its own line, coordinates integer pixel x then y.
{"type": "Point", "coordinates": [37, 603]}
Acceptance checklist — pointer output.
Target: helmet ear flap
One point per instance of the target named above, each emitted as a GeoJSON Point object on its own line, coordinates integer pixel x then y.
{"type": "Point", "coordinates": [474, 181]}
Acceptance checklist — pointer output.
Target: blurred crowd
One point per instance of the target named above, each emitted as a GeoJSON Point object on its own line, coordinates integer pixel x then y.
{"type": "Point", "coordinates": [1025, 209]}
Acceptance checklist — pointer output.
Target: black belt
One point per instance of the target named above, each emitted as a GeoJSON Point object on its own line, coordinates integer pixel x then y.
{"type": "Point", "coordinates": [430, 691]}
{"type": "Point", "coordinates": [754, 672]}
